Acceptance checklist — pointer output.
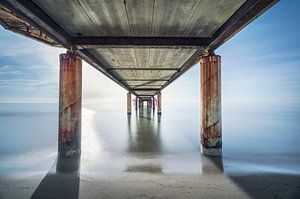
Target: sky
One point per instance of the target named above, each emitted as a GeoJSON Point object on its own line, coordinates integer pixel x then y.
{"type": "Point", "coordinates": [260, 64]}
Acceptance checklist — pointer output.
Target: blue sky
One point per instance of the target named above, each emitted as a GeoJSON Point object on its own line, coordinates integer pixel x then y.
{"type": "Point", "coordinates": [261, 64]}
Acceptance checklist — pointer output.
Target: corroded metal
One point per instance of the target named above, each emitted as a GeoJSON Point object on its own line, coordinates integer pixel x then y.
{"type": "Point", "coordinates": [10, 21]}
{"type": "Point", "coordinates": [70, 86]}
{"type": "Point", "coordinates": [159, 103]}
{"type": "Point", "coordinates": [211, 128]}
{"type": "Point", "coordinates": [129, 103]}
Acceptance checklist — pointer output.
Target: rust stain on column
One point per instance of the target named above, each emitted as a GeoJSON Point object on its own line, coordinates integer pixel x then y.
{"type": "Point", "coordinates": [70, 85]}
{"type": "Point", "coordinates": [136, 103]}
{"type": "Point", "coordinates": [149, 103]}
{"type": "Point", "coordinates": [211, 128]}
{"type": "Point", "coordinates": [129, 103]}
{"type": "Point", "coordinates": [159, 103]}
{"type": "Point", "coordinates": [153, 103]}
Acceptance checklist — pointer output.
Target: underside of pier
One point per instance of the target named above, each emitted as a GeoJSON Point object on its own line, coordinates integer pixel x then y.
{"type": "Point", "coordinates": [142, 45]}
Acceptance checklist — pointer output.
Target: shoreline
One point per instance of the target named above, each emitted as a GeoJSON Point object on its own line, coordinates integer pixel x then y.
{"type": "Point", "coordinates": [151, 185]}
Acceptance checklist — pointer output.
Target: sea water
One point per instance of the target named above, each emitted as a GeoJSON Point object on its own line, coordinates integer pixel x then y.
{"type": "Point", "coordinates": [256, 138]}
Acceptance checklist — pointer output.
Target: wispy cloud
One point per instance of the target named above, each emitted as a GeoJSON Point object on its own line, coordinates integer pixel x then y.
{"type": "Point", "coordinates": [28, 69]}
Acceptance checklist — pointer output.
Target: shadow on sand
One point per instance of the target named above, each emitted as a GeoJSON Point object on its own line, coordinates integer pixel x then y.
{"type": "Point", "coordinates": [269, 185]}
{"type": "Point", "coordinates": [256, 185]}
{"type": "Point", "coordinates": [62, 181]}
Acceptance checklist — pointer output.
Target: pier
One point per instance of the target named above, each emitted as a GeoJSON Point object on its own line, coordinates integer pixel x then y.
{"type": "Point", "coordinates": [142, 45]}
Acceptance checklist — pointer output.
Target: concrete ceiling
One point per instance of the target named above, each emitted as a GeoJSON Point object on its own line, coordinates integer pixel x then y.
{"type": "Point", "coordinates": [195, 18]}
{"type": "Point", "coordinates": [141, 18]}
{"type": "Point", "coordinates": [140, 66]}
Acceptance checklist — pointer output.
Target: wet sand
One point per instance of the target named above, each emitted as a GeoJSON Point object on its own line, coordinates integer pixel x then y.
{"type": "Point", "coordinates": [147, 156]}
{"type": "Point", "coordinates": [148, 183]}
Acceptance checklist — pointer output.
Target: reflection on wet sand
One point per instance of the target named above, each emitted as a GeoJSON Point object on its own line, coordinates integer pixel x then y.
{"type": "Point", "coordinates": [62, 181]}
{"type": "Point", "coordinates": [146, 143]}
{"type": "Point", "coordinates": [212, 165]}
{"type": "Point", "coordinates": [147, 156]}
{"type": "Point", "coordinates": [144, 140]}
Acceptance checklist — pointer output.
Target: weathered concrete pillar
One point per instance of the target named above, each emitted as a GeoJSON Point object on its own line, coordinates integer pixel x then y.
{"type": "Point", "coordinates": [159, 103]}
{"type": "Point", "coordinates": [153, 103]}
{"type": "Point", "coordinates": [149, 103]}
{"type": "Point", "coordinates": [136, 103]}
{"type": "Point", "coordinates": [69, 127]}
{"type": "Point", "coordinates": [211, 129]}
{"type": "Point", "coordinates": [141, 103]}
{"type": "Point", "coordinates": [129, 103]}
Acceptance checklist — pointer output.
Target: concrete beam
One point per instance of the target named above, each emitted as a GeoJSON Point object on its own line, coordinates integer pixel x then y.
{"type": "Point", "coordinates": [144, 80]}
{"type": "Point", "coordinates": [70, 86]}
{"type": "Point", "coordinates": [153, 103]}
{"type": "Point", "coordinates": [144, 89]}
{"type": "Point", "coordinates": [129, 103]}
{"type": "Point", "coordinates": [211, 129]}
{"type": "Point", "coordinates": [146, 69]}
{"type": "Point", "coordinates": [36, 17]}
{"type": "Point", "coordinates": [143, 42]}
{"type": "Point", "coordinates": [248, 12]}
{"type": "Point", "coordinates": [136, 103]}
{"type": "Point", "coordinates": [159, 103]}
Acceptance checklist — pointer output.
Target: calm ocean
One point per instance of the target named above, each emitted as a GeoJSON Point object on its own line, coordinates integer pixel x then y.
{"type": "Point", "coordinates": [256, 138]}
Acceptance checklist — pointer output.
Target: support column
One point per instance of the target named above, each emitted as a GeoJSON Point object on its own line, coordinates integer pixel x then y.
{"type": "Point", "coordinates": [159, 103]}
{"type": "Point", "coordinates": [142, 103]}
{"type": "Point", "coordinates": [211, 129]}
{"type": "Point", "coordinates": [136, 103]}
{"type": "Point", "coordinates": [153, 103]}
{"type": "Point", "coordinates": [69, 127]}
{"type": "Point", "coordinates": [128, 103]}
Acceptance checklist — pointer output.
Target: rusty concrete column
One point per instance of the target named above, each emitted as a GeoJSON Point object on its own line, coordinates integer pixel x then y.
{"type": "Point", "coordinates": [141, 103]}
{"type": "Point", "coordinates": [69, 127]}
{"type": "Point", "coordinates": [211, 129]}
{"type": "Point", "coordinates": [136, 103]}
{"type": "Point", "coordinates": [128, 103]}
{"type": "Point", "coordinates": [153, 103]}
{"type": "Point", "coordinates": [159, 103]}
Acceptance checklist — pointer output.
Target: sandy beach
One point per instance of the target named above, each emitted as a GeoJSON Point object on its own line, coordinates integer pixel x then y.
{"type": "Point", "coordinates": [146, 182]}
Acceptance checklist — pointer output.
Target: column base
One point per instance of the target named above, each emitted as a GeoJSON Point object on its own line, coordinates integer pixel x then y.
{"type": "Point", "coordinates": [68, 164]}
{"type": "Point", "coordinates": [69, 153]}
{"type": "Point", "coordinates": [211, 151]}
